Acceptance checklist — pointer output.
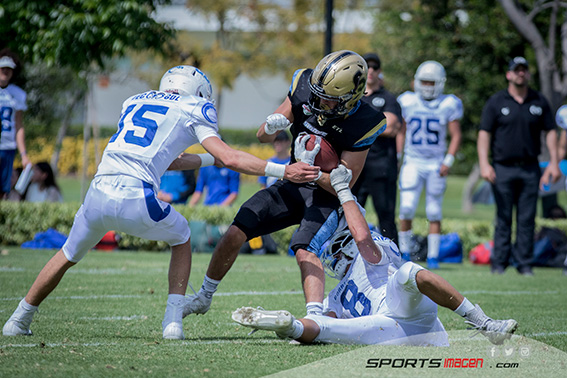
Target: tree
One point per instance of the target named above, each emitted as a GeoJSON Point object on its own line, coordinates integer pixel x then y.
{"type": "Point", "coordinates": [550, 52]}
{"type": "Point", "coordinates": [77, 37]}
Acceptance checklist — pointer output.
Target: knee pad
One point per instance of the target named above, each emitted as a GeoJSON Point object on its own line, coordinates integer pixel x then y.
{"type": "Point", "coordinates": [433, 210]}
{"type": "Point", "coordinates": [407, 212]}
{"type": "Point", "coordinates": [405, 276]}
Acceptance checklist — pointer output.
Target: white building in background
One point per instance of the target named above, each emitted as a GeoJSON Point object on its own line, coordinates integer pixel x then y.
{"type": "Point", "coordinates": [245, 106]}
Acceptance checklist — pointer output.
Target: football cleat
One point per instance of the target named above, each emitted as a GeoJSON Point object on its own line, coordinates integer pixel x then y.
{"type": "Point", "coordinates": [17, 327]}
{"type": "Point", "coordinates": [173, 331]}
{"type": "Point", "coordinates": [496, 331]}
{"type": "Point", "coordinates": [196, 304]}
{"type": "Point", "coordinates": [280, 321]}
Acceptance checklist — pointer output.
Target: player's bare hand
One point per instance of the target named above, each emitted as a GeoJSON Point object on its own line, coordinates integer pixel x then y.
{"type": "Point", "coordinates": [301, 172]}
{"type": "Point", "coordinates": [444, 170]}
{"type": "Point", "coordinates": [487, 173]}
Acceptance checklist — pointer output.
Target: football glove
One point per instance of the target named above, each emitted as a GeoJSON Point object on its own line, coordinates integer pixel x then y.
{"type": "Point", "coordinates": [276, 122]}
{"type": "Point", "coordinates": [340, 180]}
{"type": "Point", "coordinates": [301, 152]}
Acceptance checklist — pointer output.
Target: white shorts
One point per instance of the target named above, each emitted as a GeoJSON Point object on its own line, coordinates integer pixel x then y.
{"type": "Point", "coordinates": [414, 175]}
{"type": "Point", "coordinates": [125, 204]}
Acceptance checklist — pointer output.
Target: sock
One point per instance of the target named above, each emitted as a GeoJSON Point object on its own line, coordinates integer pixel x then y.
{"type": "Point", "coordinates": [464, 308]}
{"type": "Point", "coordinates": [297, 329]}
{"type": "Point", "coordinates": [209, 287]}
{"type": "Point", "coordinates": [173, 309]}
{"type": "Point", "coordinates": [175, 299]}
{"type": "Point", "coordinates": [26, 306]}
{"type": "Point", "coordinates": [406, 239]}
{"type": "Point", "coordinates": [314, 308]}
{"type": "Point", "coordinates": [433, 242]}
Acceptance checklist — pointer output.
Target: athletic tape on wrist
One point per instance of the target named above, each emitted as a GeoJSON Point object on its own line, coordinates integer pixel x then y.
{"type": "Point", "coordinates": [206, 159]}
{"type": "Point", "coordinates": [275, 170]}
{"type": "Point", "coordinates": [448, 160]}
{"type": "Point", "coordinates": [345, 195]}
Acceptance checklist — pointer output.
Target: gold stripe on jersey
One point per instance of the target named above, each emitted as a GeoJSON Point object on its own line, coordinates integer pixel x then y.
{"type": "Point", "coordinates": [296, 80]}
{"type": "Point", "coordinates": [373, 130]}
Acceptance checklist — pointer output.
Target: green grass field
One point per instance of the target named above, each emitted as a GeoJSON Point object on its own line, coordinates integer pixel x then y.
{"type": "Point", "coordinates": [104, 320]}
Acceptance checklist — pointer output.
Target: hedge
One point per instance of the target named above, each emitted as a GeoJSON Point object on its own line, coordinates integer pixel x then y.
{"type": "Point", "coordinates": [20, 221]}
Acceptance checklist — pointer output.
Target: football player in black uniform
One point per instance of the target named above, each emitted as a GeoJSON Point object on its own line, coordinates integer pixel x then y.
{"type": "Point", "coordinates": [324, 101]}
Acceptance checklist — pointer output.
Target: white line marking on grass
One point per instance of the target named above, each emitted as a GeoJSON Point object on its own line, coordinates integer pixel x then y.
{"type": "Point", "coordinates": [522, 292]}
{"type": "Point", "coordinates": [543, 334]}
{"type": "Point", "coordinates": [133, 317]}
{"type": "Point", "coordinates": [172, 343]}
{"type": "Point", "coordinates": [7, 269]}
{"type": "Point", "coordinates": [258, 293]}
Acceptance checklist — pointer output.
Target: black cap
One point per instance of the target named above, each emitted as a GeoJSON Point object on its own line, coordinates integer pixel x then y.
{"type": "Point", "coordinates": [517, 61]}
{"type": "Point", "coordinates": [282, 137]}
{"type": "Point", "coordinates": [372, 57]}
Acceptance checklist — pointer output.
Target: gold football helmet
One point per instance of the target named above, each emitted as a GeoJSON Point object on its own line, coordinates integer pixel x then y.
{"type": "Point", "coordinates": [341, 77]}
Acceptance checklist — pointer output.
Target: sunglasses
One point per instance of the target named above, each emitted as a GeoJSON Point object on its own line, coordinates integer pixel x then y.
{"type": "Point", "coordinates": [374, 66]}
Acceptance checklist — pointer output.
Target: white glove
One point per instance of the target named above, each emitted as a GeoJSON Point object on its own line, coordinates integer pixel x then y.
{"type": "Point", "coordinates": [340, 180]}
{"type": "Point", "coordinates": [301, 153]}
{"type": "Point", "coordinates": [275, 122]}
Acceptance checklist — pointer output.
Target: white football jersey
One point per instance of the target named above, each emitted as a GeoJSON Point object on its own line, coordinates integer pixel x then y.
{"type": "Point", "coordinates": [561, 117]}
{"type": "Point", "coordinates": [12, 99]}
{"type": "Point", "coordinates": [154, 128]}
{"type": "Point", "coordinates": [426, 122]}
{"type": "Point", "coordinates": [363, 288]}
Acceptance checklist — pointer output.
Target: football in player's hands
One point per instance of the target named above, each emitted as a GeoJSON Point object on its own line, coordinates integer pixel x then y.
{"type": "Point", "coordinates": [327, 157]}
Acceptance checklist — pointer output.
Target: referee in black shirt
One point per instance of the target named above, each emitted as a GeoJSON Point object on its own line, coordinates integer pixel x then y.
{"type": "Point", "coordinates": [510, 128]}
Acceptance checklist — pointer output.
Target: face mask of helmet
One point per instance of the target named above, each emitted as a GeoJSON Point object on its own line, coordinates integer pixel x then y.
{"type": "Point", "coordinates": [431, 71]}
{"type": "Point", "coordinates": [339, 77]}
{"type": "Point", "coordinates": [339, 255]}
{"type": "Point", "coordinates": [186, 81]}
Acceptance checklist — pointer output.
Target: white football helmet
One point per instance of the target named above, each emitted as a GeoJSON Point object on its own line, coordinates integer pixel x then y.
{"type": "Point", "coordinates": [339, 76]}
{"type": "Point", "coordinates": [339, 254]}
{"type": "Point", "coordinates": [430, 71]}
{"type": "Point", "coordinates": [187, 80]}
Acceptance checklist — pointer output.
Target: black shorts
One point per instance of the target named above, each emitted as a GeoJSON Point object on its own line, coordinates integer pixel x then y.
{"type": "Point", "coordinates": [285, 204]}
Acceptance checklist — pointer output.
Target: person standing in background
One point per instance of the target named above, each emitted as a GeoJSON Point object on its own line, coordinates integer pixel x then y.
{"type": "Point", "coordinates": [380, 173]}
{"type": "Point", "coordinates": [222, 186]}
{"type": "Point", "coordinates": [282, 145]}
{"type": "Point", "coordinates": [12, 107]}
{"type": "Point", "coordinates": [510, 128]}
{"type": "Point", "coordinates": [429, 115]}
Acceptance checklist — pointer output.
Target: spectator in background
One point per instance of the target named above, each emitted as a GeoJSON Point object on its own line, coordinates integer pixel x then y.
{"type": "Point", "coordinates": [14, 195]}
{"type": "Point", "coordinates": [380, 173]}
{"type": "Point", "coordinates": [510, 128]}
{"type": "Point", "coordinates": [43, 187]}
{"type": "Point", "coordinates": [176, 186]}
{"type": "Point", "coordinates": [282, 145]}
{"type": "Point", "coordinates": [561, 121]}
{"type": "Point", "coordinates": [12, 107]}
{"type": "Point", "coordinates": [222, 186]}
{"type": "Point", "coordinates": [429, 115]}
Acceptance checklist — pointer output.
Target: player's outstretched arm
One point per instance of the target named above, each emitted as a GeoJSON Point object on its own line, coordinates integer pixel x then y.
{"type": "Point", "coordinates": [340, 180]}
{"type": "Point", "coordinates": [193, 161]}
{"type": "Point", "coordinates": [246, 163]}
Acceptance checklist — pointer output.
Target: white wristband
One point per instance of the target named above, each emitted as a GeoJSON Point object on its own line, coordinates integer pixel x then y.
{"type": "Point", "coordinates": [345, 195]}
{"type": "Point", "coordinates": [448, 160]}
{"type": "Point", "coordinates": [206, 159]}
{"type": "Point", "coordinates": [275, 170]}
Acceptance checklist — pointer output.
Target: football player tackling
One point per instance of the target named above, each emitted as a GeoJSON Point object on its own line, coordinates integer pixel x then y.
{"type": "Point", "coordinates": [154, 129]}
{"type": "Point", "coordinates": [380, 299]}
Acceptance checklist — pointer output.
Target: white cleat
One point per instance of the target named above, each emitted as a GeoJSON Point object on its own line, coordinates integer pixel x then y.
{"type": "Point", "coordinates": [496, 331]}
{"type": "Point", "coordinates": [280, 321]}
{"type": "Point", "coordinates": [196, 304]}
{"type": "Point", "coordinates": [16, 327]}
{"type": "Point", "coordinates": [173, 331]}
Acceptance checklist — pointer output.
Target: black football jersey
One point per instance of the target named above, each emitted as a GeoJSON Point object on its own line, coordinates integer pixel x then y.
{"type": "Point", "coordinates": [355, 132]}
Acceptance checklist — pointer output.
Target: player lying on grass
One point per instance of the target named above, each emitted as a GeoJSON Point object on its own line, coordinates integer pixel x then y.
{"type": "Point", "coordinates": [380, 299]}
{"type": "Point", "coordinates": [154, 129]}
